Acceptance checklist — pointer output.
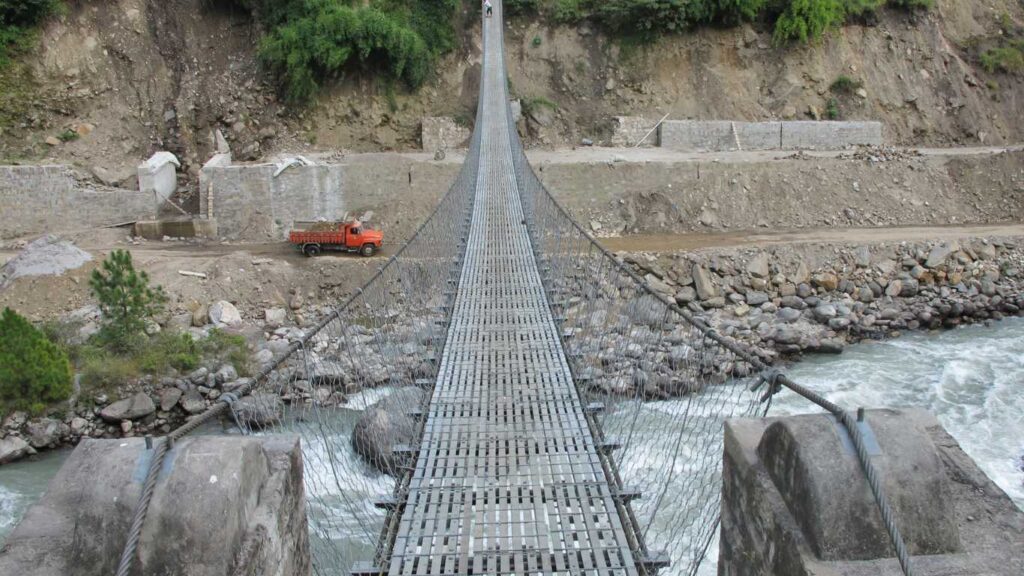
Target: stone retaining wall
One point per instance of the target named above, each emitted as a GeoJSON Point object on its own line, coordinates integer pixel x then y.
{"type": "Point", "coordinates": [38, 199]}
{"type": "Point", "coordinates": [249, 202]}
{"type": "Point", "coordinates": [720, 135]}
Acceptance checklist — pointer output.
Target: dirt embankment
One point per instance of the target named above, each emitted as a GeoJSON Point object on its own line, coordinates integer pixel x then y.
{"type": "Point", "coordinates": [140, 75]}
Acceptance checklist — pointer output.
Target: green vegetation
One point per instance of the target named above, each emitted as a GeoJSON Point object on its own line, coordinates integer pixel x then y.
{"type": "Point", "coordinates": [309, 42]}
{"type": "Point", "coordinates": [537, 41]}
{"type": "Point", "coordinates": [126, 300]}
{"type": "Point", "coordinates": [532, 104]}
{"type": "Point", "coordinates": [1008, 59]}
{"type": "Point", "coordinates": [832, 109]}
{"type": "Point", "coordinates": [645, 20]}
{"type": "Point", "coordinates": [846, 85]}
{"type": "Point", "coordinates": [68, 135]}
{"type": "Point", "coordinates": [34, 371]}
{"type": "Point", "coordinates": [19, 20]}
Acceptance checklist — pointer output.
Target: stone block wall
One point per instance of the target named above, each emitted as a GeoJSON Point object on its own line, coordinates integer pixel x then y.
{"type": "Point", "coordinates": [443, 133]}
{"type": "Point", "coordinates": [249, 202]}
{"type": "Point", "coordinates": [38, 199]}
{"type": "Point", "coordinates": [721, 135]}
{"type": "Point", "coordinates": [628, 130]}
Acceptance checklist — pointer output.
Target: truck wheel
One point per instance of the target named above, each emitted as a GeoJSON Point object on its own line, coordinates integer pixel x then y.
{"type": "Point", "coordinates": [368, 250]}
{"type": "Point", "coordinates": [311, 250]}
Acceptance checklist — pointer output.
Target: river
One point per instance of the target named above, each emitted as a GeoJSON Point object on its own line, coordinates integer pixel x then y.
{"type": "Point", "coordinates": [970, 378]}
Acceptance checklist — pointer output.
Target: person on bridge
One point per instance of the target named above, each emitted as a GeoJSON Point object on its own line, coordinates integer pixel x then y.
{"type": "Point", "coordinates": [488, 9]}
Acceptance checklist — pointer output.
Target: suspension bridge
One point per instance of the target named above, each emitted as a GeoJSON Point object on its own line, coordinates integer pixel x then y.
{"type": "Point", "coordinates": [533, 447]}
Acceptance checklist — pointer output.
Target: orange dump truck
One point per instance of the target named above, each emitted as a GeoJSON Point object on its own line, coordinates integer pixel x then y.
{"type": "Point", "coordinates": [339, 237]}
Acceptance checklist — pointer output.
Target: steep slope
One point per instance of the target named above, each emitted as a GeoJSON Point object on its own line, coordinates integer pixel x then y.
{"type": "Point", "coordinates": [135, 76]}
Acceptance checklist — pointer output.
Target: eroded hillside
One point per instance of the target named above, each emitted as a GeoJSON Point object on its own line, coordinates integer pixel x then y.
{"type": "Point", "coordinates": [133, 76]}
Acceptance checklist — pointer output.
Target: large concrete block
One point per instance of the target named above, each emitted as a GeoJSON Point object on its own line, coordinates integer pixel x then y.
{"type": "Point", "coordinates": [221, 506]}
{"type": "Point", "coordinates": [159, 176]}
{"type": "Point", "coordinates": [795, 501]}
{"type": "Point", "coordinates": [830, 135]}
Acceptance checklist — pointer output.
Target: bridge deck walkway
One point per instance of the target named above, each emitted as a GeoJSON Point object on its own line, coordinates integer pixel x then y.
{"type": "Point", "coordinates": [507, 478]}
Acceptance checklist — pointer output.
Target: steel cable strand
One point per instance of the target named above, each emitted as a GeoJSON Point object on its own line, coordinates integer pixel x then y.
{"type": "Point", "coordinates": [877, 491]}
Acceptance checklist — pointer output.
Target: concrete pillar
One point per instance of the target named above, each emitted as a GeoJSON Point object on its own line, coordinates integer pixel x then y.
{"type": "Point", "coordinates": [795, 501]}
{"type": "Point", "coordinates": [222, 506]}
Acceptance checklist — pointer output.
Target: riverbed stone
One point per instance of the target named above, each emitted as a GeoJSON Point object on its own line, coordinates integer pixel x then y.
{"type": "Point", "coordinates": [384, 425]}
{"type": "Point", "coordinates": [703, 283]}
{"type": "Point", "coordinates": [14, 448]}
{"type": "Point", "coordinates": [138, 406]}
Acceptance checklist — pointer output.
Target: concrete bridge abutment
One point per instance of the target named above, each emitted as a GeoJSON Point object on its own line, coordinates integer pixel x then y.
{"type": "Point", "coordinates": [795, 501]}
{"type": "Point", "coordinates": [223, 506]}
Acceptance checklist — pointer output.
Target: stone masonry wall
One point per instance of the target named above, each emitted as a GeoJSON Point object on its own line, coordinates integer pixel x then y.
{"type": "Point", "coordinates": [249, 202]}
{"type": "Point", "coordinates": [37, 199]}
{"type": "Point", "coordinates": [720, 135]}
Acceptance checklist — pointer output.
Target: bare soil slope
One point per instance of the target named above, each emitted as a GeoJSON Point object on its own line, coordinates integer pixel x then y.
{"type": "Point", "coordinates": [141, 75]}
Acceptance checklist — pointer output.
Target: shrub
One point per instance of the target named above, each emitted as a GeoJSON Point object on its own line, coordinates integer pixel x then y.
{"type": "Point", "coordinates": [567, 11]}
{"type": "Point", "coordinates": [34, 372]}
{"type": "Point", "coordinates": [221, 346]}
{"type": "Point", "coordinates": [309, 42]}
{"type": "Point", "coordinates": [832, 109]}
{"type": "Point", "coordinates": [845, 85]}
{"type": "Point", "coordinates": [1007, 59]}
{"type": "Point", "coordinates": [514, 7]}
{"type": "Point", "coordinates": [912, 4]}
{"type": "Point", "coordinates": [169, 350]}
{"type": "Point", "coordinates": [647, 18]}
{"type": "Point", "coordinates": [18, 20]}
{"type": "Point", "coordinates": [125, 299]}
{"type": "Point", "coordinates": [806, 20]}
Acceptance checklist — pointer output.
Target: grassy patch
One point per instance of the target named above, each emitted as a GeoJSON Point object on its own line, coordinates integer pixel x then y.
{"type": "Point", "coordinates": [1006, 59]}
{"type": "Point", "coordinates": [845, 85]}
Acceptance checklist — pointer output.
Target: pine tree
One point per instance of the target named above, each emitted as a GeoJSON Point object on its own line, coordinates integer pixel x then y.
{"type": "Point", "coordinates": [126, 300]}
{"type": "Point", "coordinates": [34, 372]}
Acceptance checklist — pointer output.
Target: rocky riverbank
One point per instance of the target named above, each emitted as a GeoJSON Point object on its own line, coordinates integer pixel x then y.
{"type": "Point", "coordinates": [795, 299]}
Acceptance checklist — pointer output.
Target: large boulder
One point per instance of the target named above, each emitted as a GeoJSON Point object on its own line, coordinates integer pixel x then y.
{"type": "Point", "coordinates": [138, 406]}
{"type": "Point", "coordinates": [259, 410]}
{"type": "Point", "coordinates": [13, 448]}
{"type": "Point", "coordinates": [43, 432]}
{"type": "Point", "coordinates": [386, 424]}
{"type": "Point", "coordinates": [224, 313]}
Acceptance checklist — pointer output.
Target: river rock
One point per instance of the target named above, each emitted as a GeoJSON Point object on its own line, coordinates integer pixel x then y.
{"type": "Point", "coordinates": [788, 315]}
{"type": "Point", "coordinates": [702, 283]}
{"type": "Point", "coordinates": [940, 253]}
{"type": "Point", "coordinates": [44, 432]}
{"type": "Point", "coordinates": [192, 402]}
{"type": "Point", "coordinates": [259, 410]}
{"type": "Point", "coordinates": [825, 312]}
{"type": "Point", "coordinates": [13, 448]}
{"type": "Point", "coordinates": [138, 406]}
{"type": "Point", "coordinates": [755, 298]}
{"type": "Point", "coordinates": [385, 424]}
{"type": "Point", "coordinates": [826, 281]}
{"type": "Point", "coordinates": [79, 426]}
{"type": "Point", "coordinates": [758, 266]}
{"type": "Point", "coordinates": [658, 285]}
{"type": "Point", "coordinates": [223, 312]}
{"type": "Point", "coordinates": [227, 373]}
{"type": "Point", "coordinates": [169, 398]}
{"type": "Point", "coordinates": [686, 295]}
{"type": "Point", "coordinates": [275, 317]}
